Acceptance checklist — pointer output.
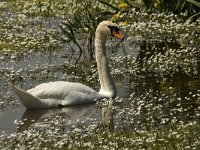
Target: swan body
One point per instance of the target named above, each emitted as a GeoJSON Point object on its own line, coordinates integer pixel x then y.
{"type": "Point", "coordinates": [54, 94]}
{"type": "Point", "coordinates": [63, 93]}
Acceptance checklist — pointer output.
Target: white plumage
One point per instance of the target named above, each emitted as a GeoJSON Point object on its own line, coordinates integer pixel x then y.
{"type": "Point", "coordinates": [63, 93]}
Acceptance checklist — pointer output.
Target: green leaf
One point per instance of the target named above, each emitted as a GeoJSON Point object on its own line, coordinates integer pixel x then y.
{"type": "Point", "coordinates": [194, 2]}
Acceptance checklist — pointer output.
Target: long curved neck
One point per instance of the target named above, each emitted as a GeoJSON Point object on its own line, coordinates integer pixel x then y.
{"type": "Point", "coordinates": [108, 88]}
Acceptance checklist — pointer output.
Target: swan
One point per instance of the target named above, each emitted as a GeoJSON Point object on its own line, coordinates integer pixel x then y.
{"type": "Point", "coordinates": [63, 93]}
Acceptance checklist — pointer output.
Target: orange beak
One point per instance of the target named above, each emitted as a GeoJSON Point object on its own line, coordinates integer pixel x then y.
{"type": "Point", "coordinates": [117, 35]}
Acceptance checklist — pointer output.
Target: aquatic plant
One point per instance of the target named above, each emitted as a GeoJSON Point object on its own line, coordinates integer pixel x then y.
{"type": "Point", "coordinates": [143, 124]}
{"type": "Point", "coordinates": [162, 106]}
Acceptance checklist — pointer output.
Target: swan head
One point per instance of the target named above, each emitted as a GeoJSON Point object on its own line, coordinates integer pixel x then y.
{"type": "Point", "coordinates": [107, 28]}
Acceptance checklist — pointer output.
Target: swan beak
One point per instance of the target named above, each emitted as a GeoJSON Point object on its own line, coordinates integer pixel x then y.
{"type": "Point", "coordinates": [117, 35]}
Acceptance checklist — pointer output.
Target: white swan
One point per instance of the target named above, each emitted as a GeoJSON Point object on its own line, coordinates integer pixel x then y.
{"type": "Point", "coordinates": [62, 93]}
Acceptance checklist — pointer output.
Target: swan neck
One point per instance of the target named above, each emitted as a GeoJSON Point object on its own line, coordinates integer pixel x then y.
{"type": "Point", "coordinates": [107, 85]}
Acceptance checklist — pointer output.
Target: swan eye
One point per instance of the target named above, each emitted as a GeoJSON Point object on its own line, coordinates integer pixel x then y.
{"type": "Point", "coordinates": [115, 32]}
{"type": "Point", "coordinates": [113, 28]}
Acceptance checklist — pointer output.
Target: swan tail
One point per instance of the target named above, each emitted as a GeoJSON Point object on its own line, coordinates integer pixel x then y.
{"type": "Point", "coordinates": [28, 100]}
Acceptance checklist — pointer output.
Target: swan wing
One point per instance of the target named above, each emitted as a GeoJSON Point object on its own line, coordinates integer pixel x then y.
{"type": "Point", "coordinates": [31, 101]}
{"type": "Point", "coordinates": [67, 93]}
{"type": "Point", "coordinates": [60, 90]}
{"type": "Point", "coordinates": [52, 94]}
{"type": "Point", "coordinates": [77, 97]}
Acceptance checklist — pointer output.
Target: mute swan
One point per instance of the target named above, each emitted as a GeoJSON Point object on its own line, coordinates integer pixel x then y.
{"type": "Point", "coordinates": [63, 93]}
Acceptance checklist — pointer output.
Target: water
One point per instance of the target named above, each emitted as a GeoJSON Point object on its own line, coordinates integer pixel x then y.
{"type": "Point", "coordinates": [14, 111]}
{"type": "Point", "coordinates": [37, 117]}
{"type": "Point", "coordinates": [7, 118]}
{"type": "Point", "coordinates": [71, 114]}
{"type": "Point", "coordinates": [159, 99]}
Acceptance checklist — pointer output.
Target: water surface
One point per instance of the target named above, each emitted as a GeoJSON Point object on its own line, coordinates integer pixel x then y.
{"type": "Point", "coordinates": [17, 112]}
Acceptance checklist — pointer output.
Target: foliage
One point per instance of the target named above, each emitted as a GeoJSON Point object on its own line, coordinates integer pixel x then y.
{"type": "Point", "coordinates": [191, 6]}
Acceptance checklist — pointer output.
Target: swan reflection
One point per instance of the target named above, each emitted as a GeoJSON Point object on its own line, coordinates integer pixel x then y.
{"type": "Point", "coordinates": [69, 114]}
